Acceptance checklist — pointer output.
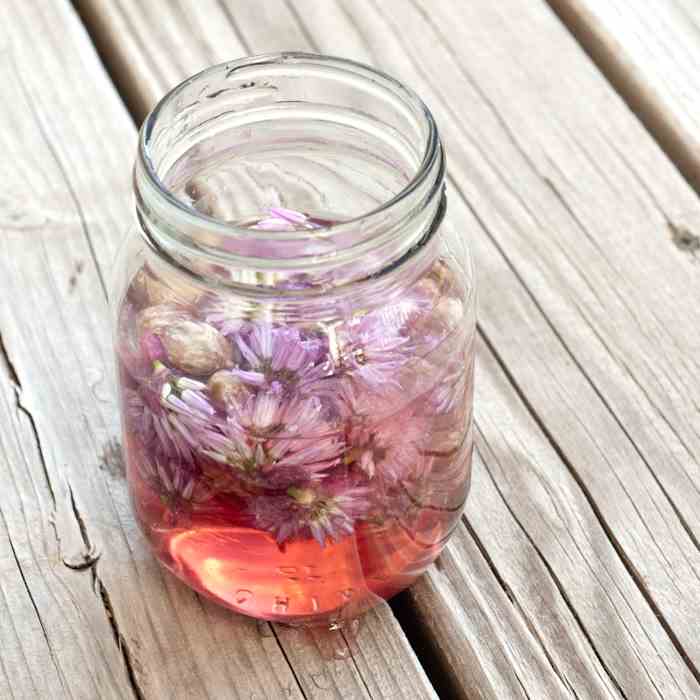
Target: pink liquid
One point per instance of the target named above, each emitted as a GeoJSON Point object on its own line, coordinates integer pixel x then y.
{"type": "Point", "coordinates": [216, 550]}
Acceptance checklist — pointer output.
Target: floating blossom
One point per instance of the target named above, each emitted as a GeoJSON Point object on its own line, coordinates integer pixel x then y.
{"type": "Point", "coordinates": [303, 280]}
{"type": "Point", "coordinates": [169, 413]}
{"type": "Point", "coordinates": [373, 353]}
{"type": "Point", "coordinates": [265, 439]}
{"type": "Point", "coordinates": [325, 511]}
{"type": "Point", "coordinates": [179, 488]}
{"type": "Point", "coordinates": [392, 450]}
{"type": "Point", "coordinates": [281, 219]}
{"type": "Point", "coordinates": [280, 354]}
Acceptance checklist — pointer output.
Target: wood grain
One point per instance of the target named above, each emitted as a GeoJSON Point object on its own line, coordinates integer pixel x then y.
{"type": "Point", "coordinates": [576, 573]}
{"type": "Point", "coordinates": [576, 200]}
{"type": "Point", "coordinates": [87, 612]}
{"type": "Point", "coordinates": [650, 53]}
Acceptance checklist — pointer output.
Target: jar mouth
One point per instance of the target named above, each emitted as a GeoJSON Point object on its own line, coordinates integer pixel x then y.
{"type": "Point", "coordinates": [418, 110]}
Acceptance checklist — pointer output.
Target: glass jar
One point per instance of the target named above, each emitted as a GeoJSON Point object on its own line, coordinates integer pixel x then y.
{"type": "Point", "coordinates": [295, 338]}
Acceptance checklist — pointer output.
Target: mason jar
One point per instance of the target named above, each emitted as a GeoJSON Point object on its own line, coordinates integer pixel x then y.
{"type": "Point", "coordinates": [294, 331]}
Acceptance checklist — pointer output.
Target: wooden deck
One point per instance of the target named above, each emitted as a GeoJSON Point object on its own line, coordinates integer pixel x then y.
{"type": "Point", "coordinates": [572, 134]}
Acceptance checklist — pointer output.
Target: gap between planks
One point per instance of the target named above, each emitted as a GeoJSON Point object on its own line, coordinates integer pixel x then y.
{"type": "Point", "coordinates": [636, 88]}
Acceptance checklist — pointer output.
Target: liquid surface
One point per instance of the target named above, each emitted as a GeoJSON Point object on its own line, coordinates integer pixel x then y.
{"type": "Point", "coordinates": [316, 166]}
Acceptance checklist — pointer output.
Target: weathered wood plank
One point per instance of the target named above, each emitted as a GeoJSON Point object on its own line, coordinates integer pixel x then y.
{"type": "Point", "coordinates": [592, 345]}
{"type": "Point", "coordinates": [650, 52]}
{"type": "Point", "coordinates": [559, 608]}
{"type": "Point", "coordinates": [89, 613]}
{"type": "Point", "coordinates": [374, 663]}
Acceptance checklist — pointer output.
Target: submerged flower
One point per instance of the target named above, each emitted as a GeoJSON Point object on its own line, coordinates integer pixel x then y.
{"type": "Point", "coordinates": [392, 450]}
{"type": "Point", "coordinates": [280, 354]}
{"type": "Point", "coordinates": [452, 392]}
{"type": "Point", "coordinates": [179, 489]}
{"type": "Point", "coordinates": [373, 352]}
{"type": "Point", "coordinates": [407, 309]}
{"type": "Point", "coordinates": [262, 415]}
{"type": "Point", "coordinates": [325, 511]}
{"type": "Point", "coordinates": [273, 441]}
{"type": "Point", "coordinates": [189, 405]}
{"type": "Point", "coordinates": [357, 404]}
{"type": "Point", "coordinates": [170, 413]}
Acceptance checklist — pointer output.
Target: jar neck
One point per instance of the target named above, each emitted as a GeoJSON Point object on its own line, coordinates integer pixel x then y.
{"type": "Point", "coordinates": [215, 118]}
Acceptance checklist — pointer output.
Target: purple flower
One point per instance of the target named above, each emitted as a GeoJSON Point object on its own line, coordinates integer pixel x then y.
{"type": "Point", "coordinates": [373, 352]}
{"type": "Point", "coordinates": [273, 441]}
{"type": "Point", "coordinates": [281, 219]}
{"type": "Point", "coordinates": [326, 510]}
{"type": "Point", "coordinates": [308, 462]}
{"type": "Point", "coordinates": [169, 413]}
{"type": "Point", "coordinates": [231, 446]}
{"type": "Point", "coordinates": [393, 450]}
{"type": "Point", "coordinates": [280, 354]}
{"type": "Point", "coordinates": [261, 415]}
{"type": "Point", "coordinates": [189, 405]}
{"type": "Point", "coordinates": [178, 487]}
{"type": "Point", "coordinates": [356, 404]}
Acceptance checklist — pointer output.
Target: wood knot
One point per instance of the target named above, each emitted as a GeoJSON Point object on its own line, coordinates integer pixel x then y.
{"type": "Point", "coordinates": [77, 271]}
{"type": "Point", "coordinates": [684, 239]}
{"type": "Point", "coordinates": [82, 560]}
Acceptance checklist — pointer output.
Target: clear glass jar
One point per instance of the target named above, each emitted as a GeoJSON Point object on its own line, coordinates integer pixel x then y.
{"type": "Point", "coordinates": [295, 338]}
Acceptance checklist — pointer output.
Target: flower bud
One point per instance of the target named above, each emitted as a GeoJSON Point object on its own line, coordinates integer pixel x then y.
{"type": "Point", "coordinates": [225, 387]}
{"type": "Point", "coordinates": [155, 291]}
{"type": "Point", "coordinates": [195, 347]}
{"type": "Point", "coordinates": [155, 319]}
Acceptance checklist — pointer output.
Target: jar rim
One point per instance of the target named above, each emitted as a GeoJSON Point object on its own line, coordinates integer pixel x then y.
{"type": "Point", "coordinates": [432, 150]}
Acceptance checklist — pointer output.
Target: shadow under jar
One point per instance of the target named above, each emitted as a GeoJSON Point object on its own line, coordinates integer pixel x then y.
{"type": "Point", "coordinates": [295, 339]}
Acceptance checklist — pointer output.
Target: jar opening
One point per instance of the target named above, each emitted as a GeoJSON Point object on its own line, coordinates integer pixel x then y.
{"type": "Point", "coordinates": [328, 138]}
